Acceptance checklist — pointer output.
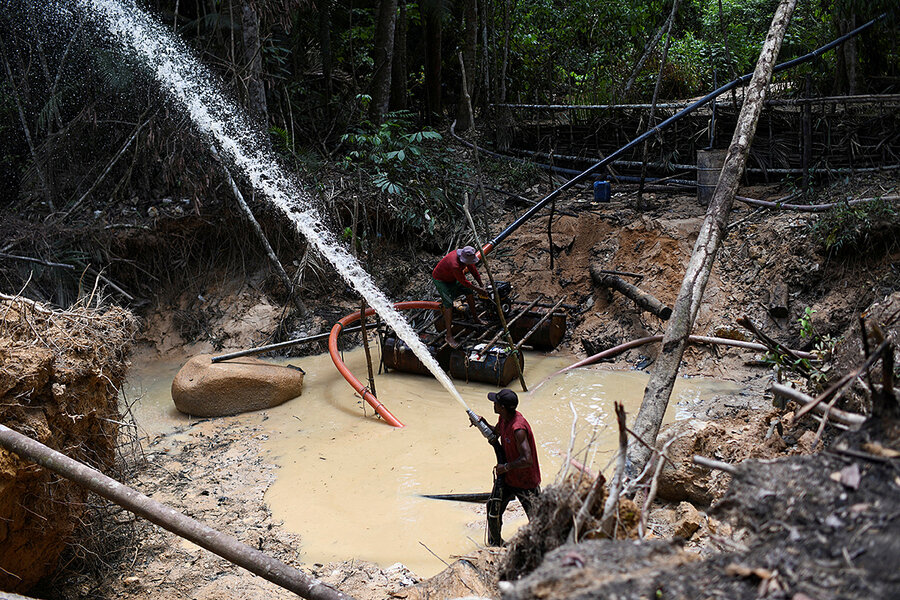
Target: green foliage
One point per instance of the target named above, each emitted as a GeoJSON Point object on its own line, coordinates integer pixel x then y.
{"type": "Point", "coordinates": [857, 228]}
{"type": "Point", "coordinates": [405, 165]}
{"type": "Point", "coordinates": [517, 175]}
{"type": "Point", "coordinates": [815, 371]}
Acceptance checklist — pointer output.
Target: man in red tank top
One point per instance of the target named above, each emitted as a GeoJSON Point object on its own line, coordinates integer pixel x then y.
{"type": "Point", "coordinates": [520, 475]}
{"type": "Point", "coordinates": [450, 280]}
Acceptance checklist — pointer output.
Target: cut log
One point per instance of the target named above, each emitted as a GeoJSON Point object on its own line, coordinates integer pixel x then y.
{"type": "Point", "coordinates": [644, 300]}
{"type": "Point", "coordinates": [778, 300]}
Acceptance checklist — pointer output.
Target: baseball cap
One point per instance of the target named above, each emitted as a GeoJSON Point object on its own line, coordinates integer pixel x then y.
{"type": "Point", "coordinates": [505, 397]}
{"type": "Point", "coordinates": [467, 255]}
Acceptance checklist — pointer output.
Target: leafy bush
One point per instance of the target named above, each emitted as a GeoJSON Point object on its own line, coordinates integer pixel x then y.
{"type": "Point", "coordinates": [415, 177]}
{"type": "Point", "coordinates": [864, 227]}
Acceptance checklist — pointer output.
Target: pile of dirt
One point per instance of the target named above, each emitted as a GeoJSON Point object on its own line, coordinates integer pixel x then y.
{"type": "Point", "coordinates": [822, 526]}
{"type": "Point", "coordinates": [59, 384]}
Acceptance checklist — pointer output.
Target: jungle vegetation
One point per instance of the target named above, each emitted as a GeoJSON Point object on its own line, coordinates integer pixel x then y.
{"type": "Point", "coordinates": [369, 87]}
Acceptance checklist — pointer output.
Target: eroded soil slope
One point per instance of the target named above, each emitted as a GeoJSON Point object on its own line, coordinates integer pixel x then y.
{"type": "Point", "coordinates": [60, 374]}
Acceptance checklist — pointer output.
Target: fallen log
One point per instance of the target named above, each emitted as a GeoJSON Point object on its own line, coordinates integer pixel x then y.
{"type": "Point", "coordinates": [644, 300]}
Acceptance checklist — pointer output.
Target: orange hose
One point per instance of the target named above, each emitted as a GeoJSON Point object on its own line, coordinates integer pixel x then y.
{"type": "Point", "coordinates": [355, 383]}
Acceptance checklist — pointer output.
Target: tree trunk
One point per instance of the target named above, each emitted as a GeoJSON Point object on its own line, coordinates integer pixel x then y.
{"type": "Point", "coordinates": [382, 52]}
{"type": "Point", "coordinates": [662, 378]}
{"type": "Point", "coordinates": [651, 122]}
{"type": "Point", "coordinates": [325, 49]}
{"type": "Point", "coordinates": [464, 119]}
{"type": "Point", "coordinates": [398, 64]}
{"type": "Point", "coordinates": [256, 89]}
{"type": "Point", "coordinates": [431, 14]}
{"type": "Point", "coordinates": [504, 120]}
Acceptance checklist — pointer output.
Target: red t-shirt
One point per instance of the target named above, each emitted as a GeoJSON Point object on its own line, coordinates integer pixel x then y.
{"type": "Point", "coordinates": [528, 477]}
{"type": "Point", "coordinates": [449, 269]}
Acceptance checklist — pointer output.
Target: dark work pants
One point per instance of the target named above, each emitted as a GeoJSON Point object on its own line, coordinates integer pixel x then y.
{"type": "Point", "coordinates": [501, 496]}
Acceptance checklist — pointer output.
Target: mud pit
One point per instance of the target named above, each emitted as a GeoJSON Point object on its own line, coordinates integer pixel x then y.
{"type": "Point", "coordinates": [345, 483]}
{"type": "Point", "coordinates": [219, 470]}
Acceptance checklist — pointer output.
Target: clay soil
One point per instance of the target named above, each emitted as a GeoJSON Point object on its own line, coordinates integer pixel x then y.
{"type": "Point", "coordinates": [808, 514]}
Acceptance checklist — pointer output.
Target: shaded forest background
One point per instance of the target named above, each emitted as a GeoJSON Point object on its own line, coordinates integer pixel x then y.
{"type": "Point", "coordinates": [360, 92]}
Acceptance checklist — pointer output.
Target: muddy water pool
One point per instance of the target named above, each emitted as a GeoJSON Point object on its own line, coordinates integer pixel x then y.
{"type": "Point", "coordinates": [352, 486]}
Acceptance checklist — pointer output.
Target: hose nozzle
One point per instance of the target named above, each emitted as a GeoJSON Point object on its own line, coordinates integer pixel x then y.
{"type": "Point", "coordinates": [482, 425]}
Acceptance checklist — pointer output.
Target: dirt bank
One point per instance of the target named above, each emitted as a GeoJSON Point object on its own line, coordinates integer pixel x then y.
{"type": "Point", "coordinates": [60, 374]}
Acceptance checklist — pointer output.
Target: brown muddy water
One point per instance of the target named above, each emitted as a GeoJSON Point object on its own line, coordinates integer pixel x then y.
{"type": "Point", "coordinates": [352, 486]}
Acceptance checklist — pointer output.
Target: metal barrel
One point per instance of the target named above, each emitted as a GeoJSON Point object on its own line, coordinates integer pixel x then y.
{"type": "Point", "coordinates": [495, 367]}
{"type": "Point", "coordinates": [709, 167]}
{"type": "Point", "coordinates": [396, 355]}
{"type": "Point", "coordinates": [546, 337]}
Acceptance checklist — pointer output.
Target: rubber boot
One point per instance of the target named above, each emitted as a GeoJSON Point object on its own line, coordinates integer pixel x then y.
{"type": "Point", "coordinates": [494, 522]}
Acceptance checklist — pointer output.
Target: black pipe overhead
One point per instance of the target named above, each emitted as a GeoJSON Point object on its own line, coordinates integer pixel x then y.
{"type": "Point", "coordinates": [691, 108]}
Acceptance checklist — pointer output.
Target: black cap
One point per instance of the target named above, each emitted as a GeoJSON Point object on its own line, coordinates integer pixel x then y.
{"type": "Point", "coordinates": [505, 397]}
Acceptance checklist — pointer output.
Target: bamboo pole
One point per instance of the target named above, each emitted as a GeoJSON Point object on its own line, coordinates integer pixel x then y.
{"type": "Point", "coordinates": [675, 340]}
{"type": "Point", "coordinates": [168, 518]}
{"type": "Point", "coordinates": [487, 268]}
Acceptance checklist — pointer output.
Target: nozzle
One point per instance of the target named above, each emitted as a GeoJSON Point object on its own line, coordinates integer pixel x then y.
{"type": "Point", "coordinates": [482, 425]}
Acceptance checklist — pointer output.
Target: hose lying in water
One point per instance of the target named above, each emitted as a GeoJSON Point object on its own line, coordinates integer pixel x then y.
{"type": "Point", "coordinates": [355, 383]}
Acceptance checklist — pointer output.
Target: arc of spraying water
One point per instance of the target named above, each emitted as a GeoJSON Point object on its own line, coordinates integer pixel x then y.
{"type": "Point", "coordinates": [191, 86]}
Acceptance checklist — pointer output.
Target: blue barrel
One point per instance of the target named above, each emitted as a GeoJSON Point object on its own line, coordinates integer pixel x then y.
{"type": "Point", "coordinates": [601, 191]}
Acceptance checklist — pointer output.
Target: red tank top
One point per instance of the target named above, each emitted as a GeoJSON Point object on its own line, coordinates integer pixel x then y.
{"type": "Point", "coordinates": [529, 477]}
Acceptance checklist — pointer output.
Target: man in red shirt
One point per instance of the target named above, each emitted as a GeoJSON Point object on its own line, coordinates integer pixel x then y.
{"type": "Point", "coordinates": [450, 280]}
{"type": "Point", "coordinates": [520, 475]}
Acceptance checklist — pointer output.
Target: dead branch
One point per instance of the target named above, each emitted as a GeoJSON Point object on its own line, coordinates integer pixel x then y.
{"type": "Point", "coordinates": [36, 261]}
{"type": "Point", "coordinates": [841, 416]}
{"type": "Point", "coordinates": [644, 300]}
{"type": "Point", "coordinates": [812, 207]}
{"type": "Point", "coordinates": [254, 224]}
{"type": "Point", "coordinates": [774, 346]}
{"type": "Point", "coordinates": [841, 383]}
{"type": "Point", "coordinates": [610, 509]}
{"type": "Point", "coordinates": [661, 459]}
{"type": "Point", "coordinates": [714, 464]}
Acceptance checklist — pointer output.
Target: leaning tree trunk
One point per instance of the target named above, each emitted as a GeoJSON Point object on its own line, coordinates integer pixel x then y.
{"type": "Point", "coordinates": [464, 118]}
{"type": "Point", "coordinates": [432, 13]}
{"type": "Point", "coordinates": [382, 52]}
{"type": "Point", "coordinates": [256, 89]}
{"type": "Point", "coordinates": [662, 378]}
